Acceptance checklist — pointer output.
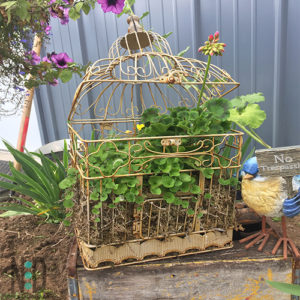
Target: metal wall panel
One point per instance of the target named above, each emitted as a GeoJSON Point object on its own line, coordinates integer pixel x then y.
{"type": "Point", "coordinates": [261, 53]}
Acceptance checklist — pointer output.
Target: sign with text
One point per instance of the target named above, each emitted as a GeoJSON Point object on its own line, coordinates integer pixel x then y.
{"type": "Point", "coordinates": [283, 161]}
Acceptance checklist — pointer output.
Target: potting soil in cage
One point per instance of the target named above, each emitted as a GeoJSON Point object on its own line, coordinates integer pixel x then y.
{"type": "Point", "coordinates": [147, 186]}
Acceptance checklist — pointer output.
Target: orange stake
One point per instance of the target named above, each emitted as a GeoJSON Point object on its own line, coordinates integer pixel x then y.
{"type": "Point", "coordinates": [37, 44]}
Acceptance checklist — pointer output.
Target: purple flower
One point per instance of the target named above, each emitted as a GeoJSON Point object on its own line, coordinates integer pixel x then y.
{"type": "Point", "coordinates": [115, 6]}
{"type": "Point", "coordinates": [54, 82]}
{"type": "Point", "coordinates": [64, 19]}
{"type": "Point", "coordinates": [19, 89]}
{"type": "Point", "coordinates": [51, 2]}
{"type": "Point", "coordinates": [46, 59]}
{"type": "Point", "coordinates": [53, 12]}
{"type": "Point", "coordinates": [47, 29]}
{"type": "Point", "coordinates": [61, 60]}
{"type": "Point", "coordinates": [22, 72]}
{"type": "Point", "coordinates": [32, 58]}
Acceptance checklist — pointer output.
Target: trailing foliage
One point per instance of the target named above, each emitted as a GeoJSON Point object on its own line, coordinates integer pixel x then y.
{"type": "Point", "coordinates": [20, 22]}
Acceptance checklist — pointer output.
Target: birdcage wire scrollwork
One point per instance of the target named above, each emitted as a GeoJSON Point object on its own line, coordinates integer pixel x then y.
{"type": "Point", "coordinates": [141, 72]}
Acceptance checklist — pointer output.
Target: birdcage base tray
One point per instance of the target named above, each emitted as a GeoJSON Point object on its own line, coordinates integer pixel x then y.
{"type": "Point", "coordinates": [134, 252]}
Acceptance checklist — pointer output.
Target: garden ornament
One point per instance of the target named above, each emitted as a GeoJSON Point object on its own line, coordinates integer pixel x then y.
{"type": "Point", "coordinates": [268, 197]}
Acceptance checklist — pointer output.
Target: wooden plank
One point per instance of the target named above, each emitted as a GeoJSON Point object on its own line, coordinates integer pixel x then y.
{"type": "Point", "coordinates": [229, 274]}
{"type": "Point", "coordinates": [284, 161]}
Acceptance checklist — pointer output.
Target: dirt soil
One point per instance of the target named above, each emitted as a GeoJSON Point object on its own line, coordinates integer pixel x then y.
{"type": "Point", "coordinates": [25, 238]}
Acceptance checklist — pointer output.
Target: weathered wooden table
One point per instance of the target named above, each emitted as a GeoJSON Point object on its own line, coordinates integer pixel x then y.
{"type": "Point", "coordinates": [232, 274]}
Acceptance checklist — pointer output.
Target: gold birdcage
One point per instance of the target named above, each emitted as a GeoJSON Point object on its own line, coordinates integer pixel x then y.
{"type": "Point", "coordinates": [141, 72]}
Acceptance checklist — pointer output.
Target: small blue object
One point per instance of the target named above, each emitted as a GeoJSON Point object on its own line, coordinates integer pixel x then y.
{"type": "Point", "coordinates": [251, 166]}
{"type": "Point", "coordinates": [291, 207]}
{"type": "Point", "coordinates": [28, 264]}
{"type": "Point", "coordinates": [28, 275]}
{"type": "Point", "coordinates": [28, 285]}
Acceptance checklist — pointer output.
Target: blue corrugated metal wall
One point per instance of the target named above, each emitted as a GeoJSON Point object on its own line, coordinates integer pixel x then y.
{"type": "Point", "coordinates": [262, 53]}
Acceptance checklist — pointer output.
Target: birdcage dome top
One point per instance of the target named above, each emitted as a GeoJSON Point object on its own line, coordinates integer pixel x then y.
{"type": "Point", "coordinates": [139, 72]}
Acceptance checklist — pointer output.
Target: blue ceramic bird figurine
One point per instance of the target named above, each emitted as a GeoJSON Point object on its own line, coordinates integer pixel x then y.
{"type": "Point", "coordinates": [267, 196]}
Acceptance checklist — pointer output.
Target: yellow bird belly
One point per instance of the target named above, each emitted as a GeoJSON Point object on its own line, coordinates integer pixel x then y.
{"type": "Point", "coordinates": [265, 196]}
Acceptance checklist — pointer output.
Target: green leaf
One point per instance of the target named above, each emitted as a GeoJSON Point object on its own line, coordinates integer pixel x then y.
{"type": "Point", "coordinates": [122, 188]}
{"type": "Point", "coordinates": [207, 196]}
{"type": "Point", "coordinates": [292, 289]}
{"type": "Point", "coordinates": [130, 197]}
{"type": "Point", "coordinates": [78, 6]}
{"type": "Point", "coordinates": [185, 187]}
{"type": "Point", "coordinates": [175, 172]}
{"type": "Point", "coordinates": [195, 189]}
{"type": "Point", "coordinates": [155, 190]}
{"type": "Point", "coordinates": [207, 173]}
{"type": "Point", "coordinates": [74, 14]}
{"type": "Point", "coordinates": [169, 197]}
{"type": "Point", "coordinates": [66, 155]}
{"type": "Point", "coordinates": [111, 185]}
{"type": "Point", "coordinates": [72, 172]}
{"type": "Point", "coordinates": [70, 195]}
{"type": "Point", "coordinates": [178, 183]}
{"type": "Point", "coordinates": [185, 204]}
{"type": "Point", "coordinates": [35, 171]}
{"type": "Point", "coordinates": [95, 211]}
{"type": "Point", "coordinates": [166, 35]}
{"type": "Point", "coordinates": [190, 212]}
{"type": "Point", "coordinates": [12, 214]}
{"type": "Point", "coordinates": [86, 8]}
{"type": "Point", "coordinates": [150, 115]}
{"type": "Point", "coordinates": [219, 108]}
{"type": "Point", "coordinates": [242, 101]}
{"type": "Point", "coordinates": [68, 203]}
{"type": "Point", "coordinates": [94, 196]}
{"type": "Point", "coordinates": [155, 181]}
{"type": "Point", "coordinates": [22, 12]}
{"type": "Point", "coordinates": [131, 181]}
{"type": "Point", "coordinates": [67, 182]}
{"type": "Point", "coordinates": [66, 223]}
{"type": "Point", "coordinates": [181, 53]}
{"type": "Point", "coordinates": [99, 205]}
{"type": "Point", "coordinates": [118, 199]}
{"type": "Point", "coordinates": [145, 14]}
{"type": "Point", "coordinates": [168, 182]}
{"type": "Point", "coordinates": [17, 208]}
{"type": "Point", "coordinates": [8, 4]}
{"type": "Point", "coordinates": [184, 177]}
{"type": "Point", "coordinates": [252, 115]}
{"type": "Point", "coordinates": [166, 168]}
{"type": "Point", "coordinates": [223, 181]}
{"type": "Point", "coordinates": [20, 189]}
{"type": "Point", "coordinates": [139, 199]}
{"type": "Point", "coordinates": [25, 181]}
{"type": "Point", "coordinates": [200, 215]}
{"type": "Point", "coordinates": [66, 75]}
{"type": "Point", "coordinates": [103, 197]}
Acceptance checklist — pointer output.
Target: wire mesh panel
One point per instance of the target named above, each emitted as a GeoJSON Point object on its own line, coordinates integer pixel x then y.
{"type": "Point", "coordinates": [141, 196]}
